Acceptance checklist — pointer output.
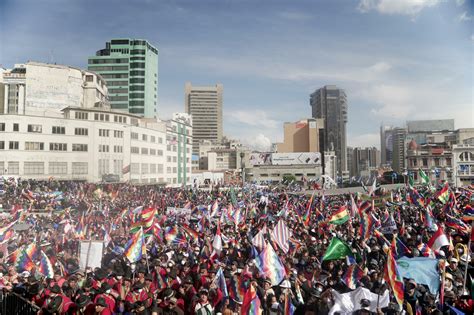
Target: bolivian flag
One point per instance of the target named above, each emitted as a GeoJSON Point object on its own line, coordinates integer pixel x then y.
{"type": "Point", "coordinates": [443, 195]}
{"type": "Point", "coordinates": [341, 216]}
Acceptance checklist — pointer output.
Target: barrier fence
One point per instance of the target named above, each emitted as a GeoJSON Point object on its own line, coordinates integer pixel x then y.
{"type": "Point", "coordinates": [13, 304]}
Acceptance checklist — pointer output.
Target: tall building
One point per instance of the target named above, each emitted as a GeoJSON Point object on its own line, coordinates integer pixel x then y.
{"type": "Point", "coordinates": [330, 103]}
{"type": "Point", "coordinates": [301, 136]}
{"type": "Point", "coordinates": [386, 145]}
{"type": "Point", "coordinates": [399, 154]}
{"type": "Point", "coordinates": [363, 161]}
{"type": "Point", "coordinates": [130, 67]}
{"type": "Point", "coordinates": [204, 103]}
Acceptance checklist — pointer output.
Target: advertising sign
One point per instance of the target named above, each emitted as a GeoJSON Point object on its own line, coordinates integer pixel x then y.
{"type": "Point", "coordinates": [303, 158]}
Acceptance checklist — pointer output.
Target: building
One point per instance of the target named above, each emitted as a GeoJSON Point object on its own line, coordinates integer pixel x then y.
{"type": "Point", "coordinates": [85, 140]}
{"type": "Point", "coordinates": [44, 89]}
{"type": "Point", "coordinates": [273, 167]}
{"type": "Point", "coordinates": [386, 146]}
{"type": "Point", "coordinates": [398, 155]}
{"type": "Point", "coordinates": [330, 104]}
{"type": "Point", "coordinates": [463, 163]}
{"type": "Point", "coordinates": [204, 104]}
{"type": "Point", "coordinates": [206, 146]}
{"type": "Point", "coordinates": [130, 67]}
{"type": "Point", "coordinates": [301, 136]}
{"type": "Point", "coordinates": [364, 161]}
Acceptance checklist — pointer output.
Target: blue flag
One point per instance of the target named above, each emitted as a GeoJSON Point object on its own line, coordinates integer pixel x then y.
{"type": "Point", "coordinates": [220, 281]}
{"type": "Point", "coordinates": [421, 269]}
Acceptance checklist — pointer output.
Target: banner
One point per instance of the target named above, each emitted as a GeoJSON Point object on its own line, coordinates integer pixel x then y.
{"type": "Point", "coordinates": [347, 303]}
{"type": "Point", "coordinates": [90, 254]}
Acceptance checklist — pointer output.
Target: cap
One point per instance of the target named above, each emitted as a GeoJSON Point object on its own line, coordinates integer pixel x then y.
{"type": "Point", "coordinates": [82, 300]}
{"type": "Point", "coordinates": [56, 289]}
{"type": "Point", "coordinates": [101, 302]}
{"type": "Point", "coordinates": [453, 260]}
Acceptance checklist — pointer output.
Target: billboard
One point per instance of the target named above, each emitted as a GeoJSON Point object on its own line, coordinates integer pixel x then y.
{"type": "Point", "coordinates": [301, 158]}
{"type": "Point", "coordinates": [298, 158]}
{"type": "Point", "coordinates": [260, 159]}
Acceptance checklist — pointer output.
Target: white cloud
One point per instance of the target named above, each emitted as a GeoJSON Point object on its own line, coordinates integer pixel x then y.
{"type": "Point", "coordinates": [254, 118]}
{"type": "Point", "coordinates": [464, 17]}
{"type": "Point", "coordinates": [404, 7]}
{"type": "Point", "coordinates": [364, 140]}
{"type": "Point", "coordinates": [460, 2]}
{"type": "Point", "coordinates": [259, 143]}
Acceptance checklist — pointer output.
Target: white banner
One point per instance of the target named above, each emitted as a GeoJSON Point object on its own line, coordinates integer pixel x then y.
{"type": "Point", "coordinates": [90, 254]}
{"type": "Point", "coordinates": [346, 303]}
{"type": "Point", "coordinates": [181, 212]}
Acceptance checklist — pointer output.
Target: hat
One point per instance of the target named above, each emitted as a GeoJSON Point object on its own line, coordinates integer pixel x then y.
{"type": "Point", "coordinates": [101, 302]}
{"type": "Point", "coordinates": [168, 293]}
{"type": "Point", "coordinates": [453, 260]}
{"type": "Point", "coordinates": [203, 291]}
{"type": "Point", "coordinates": [138, 286]}
{"type": "Point", "coordinates": [188, 280]}
{"type": "Point", "coordinates": [99, 274]}
{"type": "Point", "coordinates": [449, 276]}
{"type": "Point", "coordinates": [285, 284]}
{"type": "Point", "coordinates": [25, 274]}
{"type": "Point", "coordinates": [267, 280]}
{"type": "Point", "coordinates": [54, 304]}
{"type": "Point", "coordinates": [82, 300]}
{"type": "Point", "coordinates": [104, 287]}
{"type": "Point", "coordinates": [56, 289]}
{"type": "Point", "coordinates": [365, 304]}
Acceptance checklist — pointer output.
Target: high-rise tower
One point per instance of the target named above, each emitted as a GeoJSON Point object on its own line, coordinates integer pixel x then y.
{"type": "Point", "coordinates": [130, 68]}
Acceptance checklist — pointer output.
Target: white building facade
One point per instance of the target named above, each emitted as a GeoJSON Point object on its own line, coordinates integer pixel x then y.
{"type": "Point", "coordinates": [79, 137]}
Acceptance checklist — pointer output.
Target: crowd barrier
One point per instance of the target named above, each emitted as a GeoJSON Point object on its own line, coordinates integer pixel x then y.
{"type": "Point", "coordinates": [13, 304]}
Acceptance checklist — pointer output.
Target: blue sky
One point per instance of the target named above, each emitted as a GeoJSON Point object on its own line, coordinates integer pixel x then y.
{"type": "Point", "coordinates": [397, 59]}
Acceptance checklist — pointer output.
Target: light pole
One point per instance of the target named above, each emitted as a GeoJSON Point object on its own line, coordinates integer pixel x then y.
{"type": "Point", "coordinates": [242, 166]}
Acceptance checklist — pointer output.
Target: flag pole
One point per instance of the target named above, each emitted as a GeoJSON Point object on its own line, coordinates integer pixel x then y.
{"type": "Point", "coordinates": [466, 264]}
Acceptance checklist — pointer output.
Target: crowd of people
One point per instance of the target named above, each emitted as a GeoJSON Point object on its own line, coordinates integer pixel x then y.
{"type": "Point", "coordinates": [236, 250]}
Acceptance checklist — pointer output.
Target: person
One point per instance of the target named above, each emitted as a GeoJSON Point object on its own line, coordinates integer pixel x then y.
{"type": "Point", "coordinates": [203, 307]}
{"type": "Point", "coordinates": [364, 308]}
{"type": "Point", "coordinates": [101, 307]}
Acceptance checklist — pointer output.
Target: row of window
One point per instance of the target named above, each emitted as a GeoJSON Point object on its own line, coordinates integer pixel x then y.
{"type": "Point", "coordinates": [145, 168]}
{"type": "Point", "coordinates": [38, 168]}
{"type": "Point", "coordinates": [135, 136]}
{"type": "Point", "coordinates": [146, 151]}
{"type": "Point", "coordinates": [39, 146]}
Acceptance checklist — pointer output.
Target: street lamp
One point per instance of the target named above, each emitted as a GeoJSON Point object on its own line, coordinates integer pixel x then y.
{"type": "Point", "coordinates": [242, 166]}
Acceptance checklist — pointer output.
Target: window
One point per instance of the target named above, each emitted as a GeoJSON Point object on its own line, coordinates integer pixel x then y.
{"type": "Point", "coordinates": [13, 168]}
{"type": "Point", "coordinates": [160, 168]}
{"type": "Point", "coordinates": [118, 149]}
{"type": "Point", "coordinates": [82, 115]}
{"type": "Point", "coordinates": [152, 139]}
{"type": "Point", "coordinates": [34, 168]}
{"type": "Point", "coordinates": [118, 166]}
{"type": "Point", "coordinates": [137, 87]}
{"type": "Point", "coordinates": [35, 128]}
{"type": "Point", "coordinates": [137, 72]}
{"type": "Point", "coordinates": [2, 126]}
{"type": "Point", "coordinates": [80, 168]}
{"type": "Point", "coordinates": [117, 83]}
{"type": "Point", "coordinates": [152, 168]}
{"type": "Point", "coordinates": [34, 146]}
{"type": "Point", "coordinates": [168, 159]}
{"type": "Point", "coordinates": [144, 168]}
{"type": "Point", "coordinates": [134, 135]}
{"type": "Point", "coordinates": [137, 80]}
{"type": "Point", "coordinates": [448, 161]}
{"type": "Point", "coordinates": [2, 145]}
{"type": "Point", "coordinates": [118, 134]}
{"type": "Point", "coordinates": [144, 137]}
{"type": "Point", "coordinates": [58, 146]}
{"type": "Point", "coordinates": [168, 170]}
{"type": "Point", "coordinates": [57, 168]}
{"type": "Point", "coordinates": [135, 168]}
{"type": "Point", "coordinates": [89, 78]}
{"type": "Point", "coordinates": [103, 166]}
{"type": "Point", "coordinates": [79, 147]}
{"type": "Point", "coordinates": [152, 152]}
{"type": "Point", "coordinates": [424, 161]}
{"type": "Point", "coordinates": [123, 98]}
{"type": "Point", "coordinates": [59, 130]}
{"type": "Point", "coordinates": [16, 127]}
{"type": "Point", "coordinates": [436, 161]}
{"type": "Point", "coordinates": [103, 148]}
{"type": "Point", "coordinates": [103, 132]}
{"type": "Point", "coordinates": [135, 150]}
{"type": "Point", "coordinates": [13, 145]}
{"type": "Point", "coordinates": [81, 132]}
{"type": "Point", "coordinates": [174, 158]}
{"type": "Point", "coordinates": [160, 152]}
{"type": "Point", "coordinates": [160, 140]}
{"type": "Point", "coordinates": [137, 95]}
{"type": "Point", "coordinates": [144, 150]}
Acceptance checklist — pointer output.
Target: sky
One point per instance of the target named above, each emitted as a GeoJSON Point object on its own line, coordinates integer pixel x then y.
{"type": "Point", "coordinates": [397, 60]}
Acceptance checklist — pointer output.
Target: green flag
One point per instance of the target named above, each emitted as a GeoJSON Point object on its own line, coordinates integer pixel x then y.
{"type": "Point", "coordinates": [233, 198]}
{"type": "Point", "coordinates": [425, 180]}
{"type": "Point", "coordinates": [337, 250]}
{"type": "Point", "coordinates": [411, 180]}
